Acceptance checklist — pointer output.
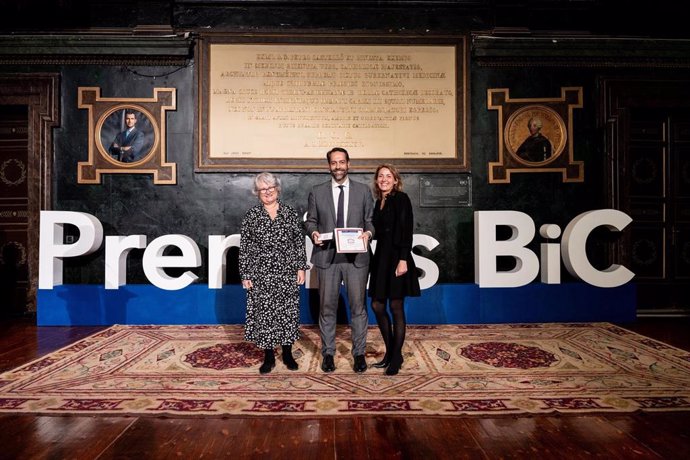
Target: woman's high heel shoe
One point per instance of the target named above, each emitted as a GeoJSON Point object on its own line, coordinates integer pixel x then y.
{"type": "Point", "coordinates": [394, 366]}
{"type": "Point", "coordinates": [383, 363]}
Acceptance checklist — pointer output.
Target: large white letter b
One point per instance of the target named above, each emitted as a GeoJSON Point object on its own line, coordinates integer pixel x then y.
{"type": "Point", "coordinates": [487, 248]}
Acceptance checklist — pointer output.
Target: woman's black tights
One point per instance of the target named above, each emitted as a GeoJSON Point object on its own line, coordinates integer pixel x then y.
{"type": "Point", "coordinates": [393, 333]}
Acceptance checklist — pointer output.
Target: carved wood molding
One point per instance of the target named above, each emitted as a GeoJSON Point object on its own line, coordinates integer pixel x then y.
{"type": "Point", "coordinates": [40, 93]}
{"type": "Point", "coordinates": [559, 51]}
{"type": "Point", "coordinates": [95, 49]}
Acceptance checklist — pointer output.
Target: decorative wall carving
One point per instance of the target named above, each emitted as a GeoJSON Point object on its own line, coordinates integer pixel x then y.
{"type": "Point", "coordinates": [111, 151]}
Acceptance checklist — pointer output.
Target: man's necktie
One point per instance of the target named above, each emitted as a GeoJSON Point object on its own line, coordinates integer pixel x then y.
{"type": "Point", "coordinates": [340, 216]}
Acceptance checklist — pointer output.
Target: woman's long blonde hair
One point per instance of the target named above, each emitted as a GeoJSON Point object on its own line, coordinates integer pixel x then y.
{"type": "Point", "coordinates": [396, 188]}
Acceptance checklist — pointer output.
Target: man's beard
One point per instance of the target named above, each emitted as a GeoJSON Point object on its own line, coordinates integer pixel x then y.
{"type": "Point", "coordinates": [339, 173]}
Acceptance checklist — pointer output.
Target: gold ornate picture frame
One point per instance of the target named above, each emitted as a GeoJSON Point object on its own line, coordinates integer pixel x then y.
{"type": "Point", "coordinates": [127, 136]}
{"type": "Point", "coordinates": [271, 102]}
{"type": "Point", "coordinates": [535, 135]}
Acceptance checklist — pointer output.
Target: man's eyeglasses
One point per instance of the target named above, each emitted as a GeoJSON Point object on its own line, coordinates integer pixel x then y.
{"type": "Point", "coordinates": [266, 190]}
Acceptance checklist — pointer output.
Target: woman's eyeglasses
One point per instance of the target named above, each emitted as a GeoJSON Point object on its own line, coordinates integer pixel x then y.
{"type": "Point", "coordinates": [266, 190]}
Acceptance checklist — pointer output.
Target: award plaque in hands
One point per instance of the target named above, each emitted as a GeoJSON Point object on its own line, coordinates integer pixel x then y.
{"type": "Point", "coordinates": [349, 240]}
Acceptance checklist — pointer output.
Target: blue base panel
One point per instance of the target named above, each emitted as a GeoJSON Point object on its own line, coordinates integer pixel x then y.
{"type": "Point", "coordinates": [73, 305]}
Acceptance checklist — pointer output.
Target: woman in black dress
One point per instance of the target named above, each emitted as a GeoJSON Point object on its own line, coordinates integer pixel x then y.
{"type": "Point", "coordinates": [393, 272]}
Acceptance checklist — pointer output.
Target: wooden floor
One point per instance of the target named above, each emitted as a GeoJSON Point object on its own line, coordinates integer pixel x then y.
{"type": "Point", "coordinates": [648, 435]}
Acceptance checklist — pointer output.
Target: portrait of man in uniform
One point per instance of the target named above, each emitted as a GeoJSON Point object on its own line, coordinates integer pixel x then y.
{"type": "Point", "coordinates": [535, 135]}
{"type": "Point", "coordinates": [536, 147]}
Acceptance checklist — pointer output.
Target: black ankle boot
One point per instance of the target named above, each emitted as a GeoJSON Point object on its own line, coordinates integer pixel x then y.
{"type": "Point", "coordinates": [288, 360]}
{"type": "Point", "coordinates": [394, 365]}
{"type": "Point", "coordinates": [269, 362]}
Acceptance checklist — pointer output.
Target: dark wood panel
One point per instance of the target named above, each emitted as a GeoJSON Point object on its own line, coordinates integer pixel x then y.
{"type": "Point", "coordinates": [650, 180]}
{"type": "Point", "coordinates": [45, 437]}
{"type": "Point", "coordinates": [14, 208]}
{"type": "Point", "coordinates": [647, 251]}
{"type": "Point", "coordinates": [646, 210]}
{"type": "Point", "coordinates": [647, 130]}
{"type": "Point", "coordinates": [519, 437]}
{"type": "Point", "coordinates": [596, 437]}
{"type": "Point", "coordinates": [673, 331]}
{"type": "Point", "coordinates": [680, 170]}
{"type": "Point", "coordinates": [646, 171]}
{"type": "Point", "coordinates": [653, 432]}
{"type": "Point", "coordinates": [21, 341]}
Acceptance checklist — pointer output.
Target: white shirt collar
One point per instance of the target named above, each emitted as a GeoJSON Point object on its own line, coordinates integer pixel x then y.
{"type": "Point", "coordinates": [334, 184]}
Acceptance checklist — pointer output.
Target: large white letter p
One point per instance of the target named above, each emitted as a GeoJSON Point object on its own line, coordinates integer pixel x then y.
{"type": "Point", "coordinates": [51, 247]}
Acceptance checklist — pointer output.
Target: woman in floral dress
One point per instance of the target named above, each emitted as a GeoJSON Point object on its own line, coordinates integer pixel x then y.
{"type": "Point", "coordinates": [273, 262]}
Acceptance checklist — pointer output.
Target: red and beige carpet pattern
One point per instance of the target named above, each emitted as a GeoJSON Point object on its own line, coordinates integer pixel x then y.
{"type": "Point", "coordinates": [448, 370]}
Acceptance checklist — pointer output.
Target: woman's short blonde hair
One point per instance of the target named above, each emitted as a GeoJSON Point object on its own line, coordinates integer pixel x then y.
{"type": "Point", "coordinates": [268, 180]}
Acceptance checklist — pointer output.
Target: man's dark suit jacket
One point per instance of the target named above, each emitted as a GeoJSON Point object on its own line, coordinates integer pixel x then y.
{"type": "Point", "coordinates": [321, 218]}
{"type": "Point", "coordinates": [134, 140]}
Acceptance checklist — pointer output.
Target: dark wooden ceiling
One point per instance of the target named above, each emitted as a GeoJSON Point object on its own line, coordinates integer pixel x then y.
{"type": "Point", "coordinates": [660, 19]}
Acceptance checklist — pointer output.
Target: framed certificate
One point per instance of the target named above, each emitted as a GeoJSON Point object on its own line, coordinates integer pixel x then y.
{"type": "Point", "coordinates": [348, 240]}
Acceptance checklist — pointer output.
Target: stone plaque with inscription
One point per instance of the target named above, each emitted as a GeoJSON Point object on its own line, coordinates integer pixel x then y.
{"type": "Point", "coordinates": [445, 192]}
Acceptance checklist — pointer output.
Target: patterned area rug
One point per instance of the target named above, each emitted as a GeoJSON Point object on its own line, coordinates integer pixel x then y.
{"type": "Point", "coordinates": [448, 370]}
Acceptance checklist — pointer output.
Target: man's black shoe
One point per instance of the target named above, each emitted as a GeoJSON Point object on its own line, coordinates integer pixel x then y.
{"type": "Point", "coordinates": [360, 364]}
{"type": "Point", "coordinates": [328, 365]}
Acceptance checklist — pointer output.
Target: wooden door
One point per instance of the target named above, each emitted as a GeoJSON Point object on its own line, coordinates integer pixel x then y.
{"type": "Point", "coordinates": [14, 212]}
{"type": "Point", "coordinates": [655, 174]}
{"type": "Point", "coordinates": [38, 94]}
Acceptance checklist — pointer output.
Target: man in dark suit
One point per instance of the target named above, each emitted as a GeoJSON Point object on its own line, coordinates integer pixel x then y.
{"type": "Point", "coordinates": [340, 202]}
{"type": "Point", "coordinates": [128, 144]}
